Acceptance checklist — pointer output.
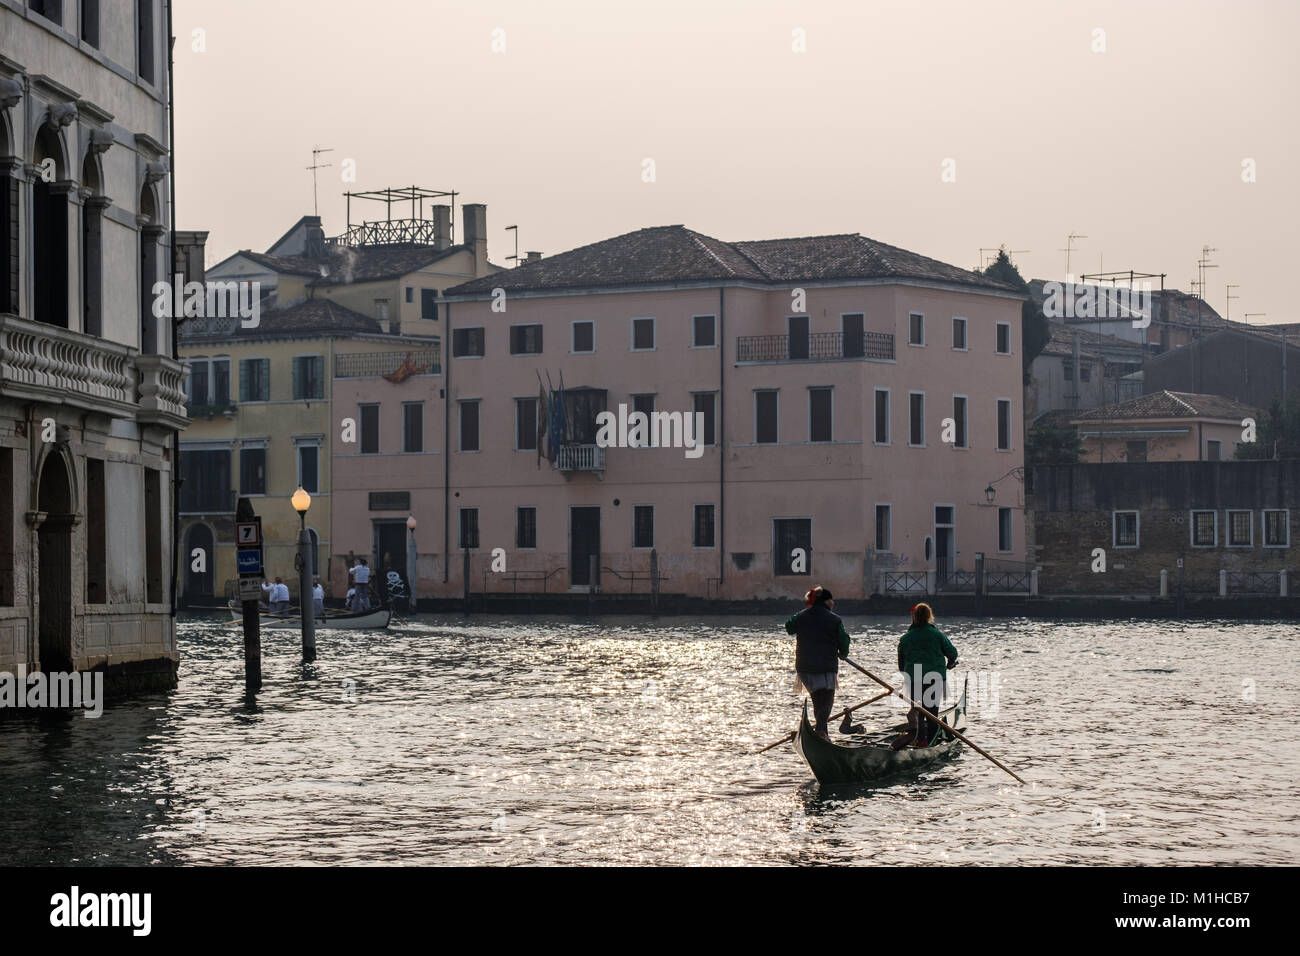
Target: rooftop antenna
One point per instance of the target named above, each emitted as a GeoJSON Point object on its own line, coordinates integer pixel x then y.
{"type": "Point", "coordinates": [1228, 297]}
{"type": "Point", "coordinates": [515, 257]}
{"type": "Point", "coordinates": [984, 259]}
{"type": "Point", "coordinates": [315, 165]}
{"type": "Point", "coordinates": [1069, 247]}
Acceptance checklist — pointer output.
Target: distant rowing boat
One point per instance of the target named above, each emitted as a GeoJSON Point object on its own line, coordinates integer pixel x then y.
{"type": "Point", "coordinates": [376, 619]}
{"type": "Point", "coordinates": [833, 763]}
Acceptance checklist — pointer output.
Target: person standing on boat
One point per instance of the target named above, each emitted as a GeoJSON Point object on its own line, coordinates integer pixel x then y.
{"type": "Point", "coordinates": [277, 595]}
{"type": "Point", "coordinates": [924, 656]}
{"type": "Point", "coordinates": [820, 643]}
{"type": "Point", "coordinates": [361, 581]}
{"type": "Point", "coordinates": [317, 598]}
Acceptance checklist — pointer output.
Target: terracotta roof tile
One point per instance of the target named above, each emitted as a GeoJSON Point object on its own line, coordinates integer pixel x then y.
{"type": "Point", "coordinates": [1169, 405]}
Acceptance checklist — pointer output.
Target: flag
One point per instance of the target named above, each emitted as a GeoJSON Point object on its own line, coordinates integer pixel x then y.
{"type": "Point", "coordinates": [540, 422]}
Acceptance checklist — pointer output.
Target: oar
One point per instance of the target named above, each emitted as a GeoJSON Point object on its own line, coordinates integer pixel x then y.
{"type": "Point", "coordinates": [847, 710]}
{"type": "Point", "coordinates": [932, 717]}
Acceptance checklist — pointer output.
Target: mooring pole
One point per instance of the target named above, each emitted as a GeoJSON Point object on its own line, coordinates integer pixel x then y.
{"type": "Point", "coordinates": [305, 597]}
{"type": "Point", "coordinates": [252, 615]}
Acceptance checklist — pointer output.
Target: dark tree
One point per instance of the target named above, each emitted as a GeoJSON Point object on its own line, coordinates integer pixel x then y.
{"type": "Point", "coordinates": [1034, 330]}
{"type": "Point", "coordinates": [1277, 433]}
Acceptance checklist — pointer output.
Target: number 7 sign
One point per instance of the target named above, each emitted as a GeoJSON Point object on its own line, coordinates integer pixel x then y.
{"type": "Point", "coordinates": [248, 534]}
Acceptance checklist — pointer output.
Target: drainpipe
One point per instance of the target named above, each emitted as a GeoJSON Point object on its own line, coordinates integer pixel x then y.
{"type": "Point", "coordinates": [171, 189]}
{"type": "Point", "coordinates": [446, 444]}
{"type": "Point", "coordinates": [718, 433]}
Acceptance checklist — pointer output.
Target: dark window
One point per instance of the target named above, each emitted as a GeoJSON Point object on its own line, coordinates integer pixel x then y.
{"type": "Point", "coordinates": [206, 487]}
{"type": "Point", "coordinates": [428, 303]}
{"type": "Point", "coordinates": [959, 420]}
{"type": "Point", "coordinates": [884, 532]}
{"type": "Point", "coordinates": [525, 340]}
{"type": "Point", "coordinates": [9, 245]}
{"type": "Point", "coordinates": [92, 263]}
{"type": "Point", "coordinates": [1126, 529]}
{"type": "Point", "coordinates": [469, 426]}
{"type": "Point", "coordinates": [6, 527]}
{"type": "Point", "coordinates": [309, 468]}
{"type": "Point", "coordinates": [1240, 526]}
{"type": "Point", "coordinates": [410, 294]}
{"type": "Point", "coordinates": [153, 512]}
{"type": "Point", "coordinates": [221, 382]}
{"type": "Point", "coordinates": [882, 416]}
{"type": "Point", "coordinates": [1004, 529]}
{"type": "Point", "coordinates": [584, 336]}
{"type": "Point", "coordinates": [1204, 534]}
{"type": "Point", "coordinates": [643, 333]}
{"type": "Point", "coordinates": [819, 414]}
{"type": "Point", "coordinates": [1135, 450]}
{"type": "Point", "coordinates": [369, 426]}
{"type": "Point", "coordinates": [199, 383]}
{"type": "Point", "coordinates": [49, 296]}
{"type": "Point", "coordinates": [643, 526]}
{"type": "Point", "coordinates": [705, 331]}
{"type": "Point", "coordinates": [917, 422]}
{"type": "Point", "coordinates": [51, 10]}
{"type": "Point", "coordinates": [145, 38]}
{"type": "Point", "coordinates": [703, 531]}
{"type": "Point", "coordinates": [526, 424]}
{"type": "Point", "coordinates": [1085, 372]}
{"type": "Point", "coordinates": [916, 329]}
{"type": "Point", "coordinates": [1003, 338]}
{"type": "Point", "coordinates": [466, 342]}
{"type": "Point", "coordinates": [706, 403]}
{"type": "Point", "coordinates": [525, 527]}
{"type": "Point", "coordinates": [1213, 450]}
{"type": "Point", "coordinates": [765, 417]}
{"type": "Point", "coordinates": [1067, 369]}
{"type": "Point", "coordinates": [255, 380]}
{"type": "Point", "coordinates": [412, 427]}
{"type": "Point", "coordinates": [645, 404]}
{"type": "Point", "coordinates": [308, 377]}
{"type": "Point", "coordinates": [252, 471]}
{"type": "Point", "coordinates": [469, 527]}
{"type": "Point", "coordinates": [797, 325]}
{"type": "Point", "coordinates": [855, 340]}
{"type": "Point", "coordinates": [791, 534]}
{"type": "Point", "coordinates": [96, 533]}
{"type": "Point", "coordinates": [958, 333]}
{"type": "Point", "coordinates": [1277, 530]}
{"type": "Point", "coordinates": [1004, 424]}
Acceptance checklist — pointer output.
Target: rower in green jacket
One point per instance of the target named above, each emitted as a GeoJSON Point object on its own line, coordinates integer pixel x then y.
{"type": "Point", "coordinates": [924, 656]}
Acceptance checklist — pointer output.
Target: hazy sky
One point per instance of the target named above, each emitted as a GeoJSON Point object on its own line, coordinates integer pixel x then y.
{"type": "Point", "coordinates": [1138, 148]}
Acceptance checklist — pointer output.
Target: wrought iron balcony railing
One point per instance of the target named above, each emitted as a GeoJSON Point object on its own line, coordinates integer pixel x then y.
{"type": "Point", "coordinates": [814, 347]}
{"type": "Point", "coordinates": [425, 361]}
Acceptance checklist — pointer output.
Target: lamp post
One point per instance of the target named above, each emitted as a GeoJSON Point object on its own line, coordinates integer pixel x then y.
{"type": "Point", "coordinates": [410, 564]}
{"type": "Point", "coordinates": [301, 501]}
{"type": "Point", "coordinates": [990, 493]}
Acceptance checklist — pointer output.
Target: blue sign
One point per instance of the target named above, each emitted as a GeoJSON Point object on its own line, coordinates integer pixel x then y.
{"type": "Point", "coordinates": [249, 560]}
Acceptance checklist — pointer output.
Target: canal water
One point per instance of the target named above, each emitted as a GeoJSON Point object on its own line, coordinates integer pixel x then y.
{"type": "Point", "coordinates": [631, 741]}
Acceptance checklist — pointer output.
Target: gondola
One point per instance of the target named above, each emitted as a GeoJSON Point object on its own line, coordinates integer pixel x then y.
{"type": "Point", "coordinates": [376, 619]}
{"type": "Point", "coordinates": [871, 759]}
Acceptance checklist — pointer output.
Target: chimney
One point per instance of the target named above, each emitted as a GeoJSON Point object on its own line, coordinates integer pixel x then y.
{"type": "Point", "coordinates": [474, 216]}
{"type": "Point", "coordinates": [313, 238]}
{"type": "Point", "coordinates": [441, 227]}
{"type": "Point", "coordinates": [532, 257]}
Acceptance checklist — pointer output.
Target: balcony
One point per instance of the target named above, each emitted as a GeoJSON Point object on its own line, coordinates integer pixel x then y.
{"type": "Point", "coordinates": [573, 457]}
{"type": "Point", "coordinates": [388, 364]}
{"type": "Point", "coordinates": [815, 347]}
{"type": "Point", "coordinates": [162, 391]}
{"type": "Point", "coordinates": [48, 364]}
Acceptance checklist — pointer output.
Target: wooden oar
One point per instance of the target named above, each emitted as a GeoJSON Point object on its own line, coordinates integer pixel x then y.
{"type": "Point", "coordinates": [932, 717]}
{"type": "Point", "coordinates": [847, 710]}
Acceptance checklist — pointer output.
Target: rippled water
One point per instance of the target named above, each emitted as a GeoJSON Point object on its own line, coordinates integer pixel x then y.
{"type": "Point", "coordinates": [499, 740]}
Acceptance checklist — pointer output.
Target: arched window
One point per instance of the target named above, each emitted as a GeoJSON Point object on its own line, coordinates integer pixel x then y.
{"type": "Point", "coordinates": [151, 341]}
{"type": "Point", "coordinates": [9, 230]}
{"type": "Point", "coordinates": [50, 231]}
{"type": "Point", "coordinates": [92, 221]}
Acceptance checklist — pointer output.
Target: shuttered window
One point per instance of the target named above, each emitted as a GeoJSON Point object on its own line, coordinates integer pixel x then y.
{"type": "Point", "coordinates": [308, 377]}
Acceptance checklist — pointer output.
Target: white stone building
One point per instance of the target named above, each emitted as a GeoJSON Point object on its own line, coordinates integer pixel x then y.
{"type": "Point", "coordinates": [91, 398]}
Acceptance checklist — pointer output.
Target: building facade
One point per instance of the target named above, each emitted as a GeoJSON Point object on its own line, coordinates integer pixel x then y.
{"type": "Point", "coordinates": [90, 396]}
{"type": "Point", "coordinates": [1164, 426]}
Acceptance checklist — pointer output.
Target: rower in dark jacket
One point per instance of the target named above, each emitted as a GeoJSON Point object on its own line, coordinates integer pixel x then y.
{"type": "Point", "coordinates": [820, 643]}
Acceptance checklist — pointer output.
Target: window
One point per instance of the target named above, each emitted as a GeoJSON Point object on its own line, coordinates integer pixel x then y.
{"type": "Point", "coordinates": [916, 329]}
{"type": "Point", "coordinates": [525, 340]}
{"type": "Point", "coordinates": [308, 377]}
{"type": "Point", "coordinates": [145, 39]}
{"type": "Point", "coordinates": [469, 426]}
{"type": "Point", "coordinates": [525, 527]}
{"type": "Point", "coordinates": [1124, 529]}
{"type": "Point", "coordinates": [703, 530]}
{"type": "Point", "coordinates": [51, 10]}
{"type": "Point", "coordinates": [645, 404]}
{"type": "Point", "coordinates": [1241, 529]}
{"type": "Point", "coordinates": [469, 527]}
{"type": "Point", "coordinates": [643, 334]}
{"type": "Point", "coordinates": [252, 470]}
{"type": "Point", "coordinates": [1205, 529]}
{"type": "Point", "coordinates": [643, 526]}
{"type": "Point", "coordinates": [853, 326]}
{"type": "Point", "coordinates": [1003, 338]}
{"type": "Point", "coordinates": [884, 530]}
{"type": "Point", "coordinates": [410, 294]}
{"type": "Point", "coordinates": [882, 416]}
{"type": "Point", "coordinates": [467, 343]}
{"type": "Point", "coordinates": [381, 309]}
{"type": "Point", "coordinates": [959, 421]}
{"type": "Point", "coordinates": [429, 303]}
{"type": "Point", "coordinates": [916, 435]}
{"type": "Point", "coordinates": [584, 336]}
{"type": "Point", "coordinates": [765, 416]}
{"type": "Point", "coordinates": [198, 384]}
{"type": "Point", "coordinates": [706, 404]}
{"type": "Point", "coordinates": [1004, 530]}
{"type": "Point", "coordinates": [959, 333]}
{"type": "Point", "coordinates": [790, 535]}
{"type": "Point", "coordinates": [1135, 450]}
{"type": "Point", "coordinates": [1067, 369]}
{"type": "Point", "coordinates": [704, 332]}
{"type": "Point", "coordinates": [526, 424]}
{"type": "Point", "coordinates": [6, 527]}
{"type": "Point", "coordinates": [1213, 450]}
{"type": "Point", "coordinates": [820, 403]}
{"type": "Point", "coordinates": [1004, 424]}
{"type": "Point", "coordinates": [369, 425]}
{"type": "Point", "coordinates": [221, 382]}
{"type": "Point", "coordinates": [205, 481]}
{"type": "Point", "coordinates": [255, 380]}
{"type": "Point", "coordinates": [153, 563]}
{"type": "Point", "coordinates": [413, 427]}
{"type": "Point", "coordinates": [309, 468]}
{"type": "Point", "coordinates": [1085, 372]}
{"type": "Point", "coordinates": [1277, 529]}
{"type": "Point", "coordinates": [96, 534]}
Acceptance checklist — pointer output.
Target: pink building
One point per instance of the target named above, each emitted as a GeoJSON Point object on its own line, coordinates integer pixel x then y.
{"type": "Point", "coordinates": [858, 400]}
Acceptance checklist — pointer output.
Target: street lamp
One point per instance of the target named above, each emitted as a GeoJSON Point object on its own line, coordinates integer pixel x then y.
{"type": "Point", "coordinates": [410, 563]}
{"type": "Point", "coordinates": [301, 501]}
{"type": "Point", "coordinates": [990, 493]}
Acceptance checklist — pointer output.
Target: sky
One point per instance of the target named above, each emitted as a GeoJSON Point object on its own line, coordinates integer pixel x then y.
{"type": "Point", "coordinates": [942, 127]}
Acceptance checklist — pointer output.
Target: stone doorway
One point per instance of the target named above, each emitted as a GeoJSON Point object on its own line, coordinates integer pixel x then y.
{"type": "Point", "coordinates": [54, 543]}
